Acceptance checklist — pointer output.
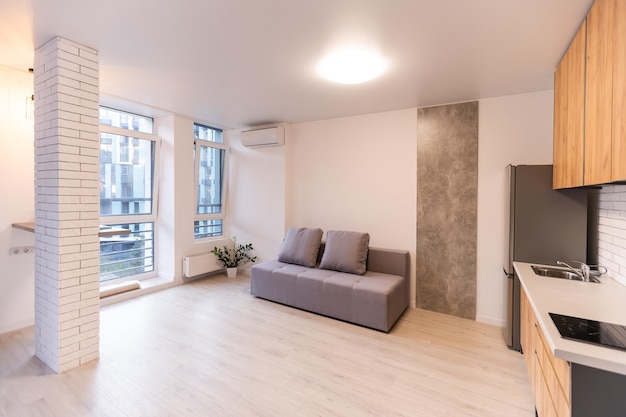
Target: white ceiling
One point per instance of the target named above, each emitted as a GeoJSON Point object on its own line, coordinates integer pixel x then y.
{"type": "Point", "coordinates": [237, 63]}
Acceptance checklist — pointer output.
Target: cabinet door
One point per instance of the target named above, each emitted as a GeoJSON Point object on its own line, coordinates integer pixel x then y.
{"type": "Point", "coordinates": [619, 94]}
{"type": "Point", "coordinates": [527, 332]}
{"type": "Point", "coordinates": [543, 402]}
{"type": "Point", "coordinates": [599, 92]}
{"type": "Point", "coordinates": [556, 376]}
{"type": "Point", "coordinates": [549, 376]}
{"type": "Point", "coordinates": [569, 115]}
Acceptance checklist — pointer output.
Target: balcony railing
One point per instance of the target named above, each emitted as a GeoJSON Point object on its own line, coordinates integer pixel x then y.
{"type": "Point", "coordinates": [208, 228]}
{"type": "Point", "coordinates": [125, 255]}
{"type": "Point", "coordinates": [204, 208]}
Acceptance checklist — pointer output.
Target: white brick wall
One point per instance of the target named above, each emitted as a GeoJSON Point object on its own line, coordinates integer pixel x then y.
{"type": "Point", "coordinates": [67, 195]}
{"type": "Point", "coordinates": [612, 231]}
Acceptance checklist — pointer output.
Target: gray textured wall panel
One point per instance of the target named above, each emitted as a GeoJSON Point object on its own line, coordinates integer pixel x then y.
{"type": "Point", "coordinates": [447, 183]}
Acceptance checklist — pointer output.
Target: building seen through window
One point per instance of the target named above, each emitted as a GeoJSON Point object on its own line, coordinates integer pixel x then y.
{"type": "Point", "coordinates": [127, 171]}
{"type": "Point", "coordinates": [210, 160]}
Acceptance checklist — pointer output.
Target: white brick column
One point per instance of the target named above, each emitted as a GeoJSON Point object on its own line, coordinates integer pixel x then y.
{"type": "Point", "coordinates": [67, 204]}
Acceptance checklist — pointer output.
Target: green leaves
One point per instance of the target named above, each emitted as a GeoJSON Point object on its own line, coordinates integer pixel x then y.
{"type": "Point", "coordinates": [234, 255]}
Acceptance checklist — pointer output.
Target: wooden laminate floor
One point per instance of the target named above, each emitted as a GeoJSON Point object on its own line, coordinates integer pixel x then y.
{"type": "Point", "coordinates": [208, 348]}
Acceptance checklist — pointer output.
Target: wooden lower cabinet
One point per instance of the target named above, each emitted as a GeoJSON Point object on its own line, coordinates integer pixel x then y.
{"type": "Point", "coordinates": [543, 403]}
{"type": "Point", "coordinates": [549, 376]}
{"type": "Point", "coordinates": [527, 341]}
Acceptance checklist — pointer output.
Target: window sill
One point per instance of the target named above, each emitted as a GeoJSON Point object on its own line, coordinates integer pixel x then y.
{"type": "Point", "coordinates": [147, 286]}
{"type": "Point", "coordinates": [104, 230]}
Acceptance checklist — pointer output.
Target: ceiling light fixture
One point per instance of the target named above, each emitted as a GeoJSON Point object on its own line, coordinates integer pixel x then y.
{"type": "Point", "coordinates": [352, 66]}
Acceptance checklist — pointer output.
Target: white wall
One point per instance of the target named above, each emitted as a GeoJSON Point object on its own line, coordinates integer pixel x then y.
{"type": "Point", "coordinates": [256, 195]}
{"type": "Point", "coordinates": [17, 293]}
{"type": "Point", "coordinates": [512, 130]}
{"type": "Point", "coordinates": [177, 198]}
{"type": "Point", "coordinates": [353, 173]}
{"type": "Point", "coordinates": [357, 173]}
{"type": "Point", "coordinates": [176, 184]}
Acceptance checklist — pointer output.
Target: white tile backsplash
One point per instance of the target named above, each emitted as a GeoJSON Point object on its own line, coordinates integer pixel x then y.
{"type": "Point", "coordinates": [612, 231]}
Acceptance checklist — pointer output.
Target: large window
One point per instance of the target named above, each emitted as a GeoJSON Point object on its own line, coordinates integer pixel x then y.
{"type": "Point", "coordinates": [128, 155]}
{"type": "Point", "coordinates": [210, 161]}
{"type": "Point", "coordinates": [123, 181]}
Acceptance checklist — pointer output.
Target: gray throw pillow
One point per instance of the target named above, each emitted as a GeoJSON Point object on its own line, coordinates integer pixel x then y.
{"type": "Point", "coordinates": [301, 246]}
{"type": "Point", "coordinates": [346, 252]}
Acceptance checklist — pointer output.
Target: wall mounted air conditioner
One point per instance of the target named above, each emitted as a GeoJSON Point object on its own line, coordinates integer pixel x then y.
{"type": "Point", "coordinates": [269, 136]}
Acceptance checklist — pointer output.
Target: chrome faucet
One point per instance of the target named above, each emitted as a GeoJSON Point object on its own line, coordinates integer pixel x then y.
{"type": "Point", "coordinates": [584, 272]}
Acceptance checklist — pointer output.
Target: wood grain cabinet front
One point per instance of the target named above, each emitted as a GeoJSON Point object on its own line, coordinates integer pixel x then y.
{"type": "Point", "coordinates": [569, 114]}
{"type": "Point", "coordinates": [527, 335]}
{"type": "Point", "coordinates": [556, 377]}
{"type": "Point", "coordinates": [618, 161]}
{"type": "Point", "coordinates": [549, 376]}
{"type": "Point", "coordinates": [598, 92]}
{"type": "Point", "coordinates": [590, 101]}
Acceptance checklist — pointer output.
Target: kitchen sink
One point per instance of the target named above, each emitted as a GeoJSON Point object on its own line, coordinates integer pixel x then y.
{"type": "Point", "coordinates": [547, 271]}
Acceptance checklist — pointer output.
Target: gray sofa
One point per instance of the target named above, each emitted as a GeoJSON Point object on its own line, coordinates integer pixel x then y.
{"type": "Point", "coordinates": [375, 299]}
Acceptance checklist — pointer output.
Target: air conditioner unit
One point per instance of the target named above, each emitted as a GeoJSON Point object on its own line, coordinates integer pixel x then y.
{"type": "Point", "coordinates": [269, 136]}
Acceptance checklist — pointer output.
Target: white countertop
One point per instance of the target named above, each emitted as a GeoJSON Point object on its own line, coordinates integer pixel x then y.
{"type": "Point", "coordinates": [602, 302]}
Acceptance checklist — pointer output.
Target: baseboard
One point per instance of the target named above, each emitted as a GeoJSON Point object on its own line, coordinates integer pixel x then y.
{"type": "Point", "coordinates": [17, 326]}
{"type": "Point", "coordinates": [491, 320]}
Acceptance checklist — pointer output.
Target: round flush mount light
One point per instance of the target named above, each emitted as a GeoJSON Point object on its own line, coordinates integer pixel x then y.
{"type": "Point", "coordinates": [352, 66]}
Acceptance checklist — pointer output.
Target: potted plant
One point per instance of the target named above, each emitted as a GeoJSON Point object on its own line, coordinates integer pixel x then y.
{"type": "Point", "coordinates": [232, 256]}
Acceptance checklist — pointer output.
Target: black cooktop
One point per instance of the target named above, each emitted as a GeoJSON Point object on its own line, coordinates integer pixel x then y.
{"type": "Point", "coordinates": [591, 331]}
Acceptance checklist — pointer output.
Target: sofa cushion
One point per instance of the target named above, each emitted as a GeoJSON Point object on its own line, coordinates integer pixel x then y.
{"type": "Point", "coordinates": [378, 300]}
{"type": "Point", "coordinates": [346, 252]}
{"type": "Point", "coordinates": [301, 246]}
{"type": "Point", "coordinates": [284, 283]}
{"type": "Point", "coordinates": [338, 290]}
{"type": "Point", "coordinates": [310, 289]}
{"type": "Point", "coordinates": [261, 285]}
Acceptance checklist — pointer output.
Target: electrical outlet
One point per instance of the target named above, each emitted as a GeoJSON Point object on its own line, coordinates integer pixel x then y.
{"type": "Point", "coordinates": [21, 250]}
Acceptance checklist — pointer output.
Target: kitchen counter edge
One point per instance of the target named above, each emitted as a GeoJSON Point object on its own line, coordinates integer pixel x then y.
{"type": "Point", "coordinates": [603, 302]}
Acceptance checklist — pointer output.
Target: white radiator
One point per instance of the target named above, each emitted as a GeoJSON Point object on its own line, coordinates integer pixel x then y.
{"type": "Point", "coordinates": [200, 264]}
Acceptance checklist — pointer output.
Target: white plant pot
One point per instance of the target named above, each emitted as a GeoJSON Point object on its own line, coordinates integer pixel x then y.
{"type": "Point", "coordinates": [231, 272]}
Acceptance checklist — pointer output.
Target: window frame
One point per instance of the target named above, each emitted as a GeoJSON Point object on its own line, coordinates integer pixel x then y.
{"type": "Point", "coordinates": [152, 217]}
{"type": "Point", "coordinates": [224, 186]}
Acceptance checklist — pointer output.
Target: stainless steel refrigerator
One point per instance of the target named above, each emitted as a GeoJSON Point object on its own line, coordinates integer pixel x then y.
{"type": "Point", "coordinates": [544, 225]}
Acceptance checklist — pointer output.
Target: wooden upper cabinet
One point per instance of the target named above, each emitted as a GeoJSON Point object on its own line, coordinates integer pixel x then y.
{"type": "Point", "coordinates": [619, 93]}
{"type": "Point", "coordinates": [599, 92]}
{"type": "Point", "coordinates": [598, 155]}
{"type": "Point", "coordinates": [569, 114]}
